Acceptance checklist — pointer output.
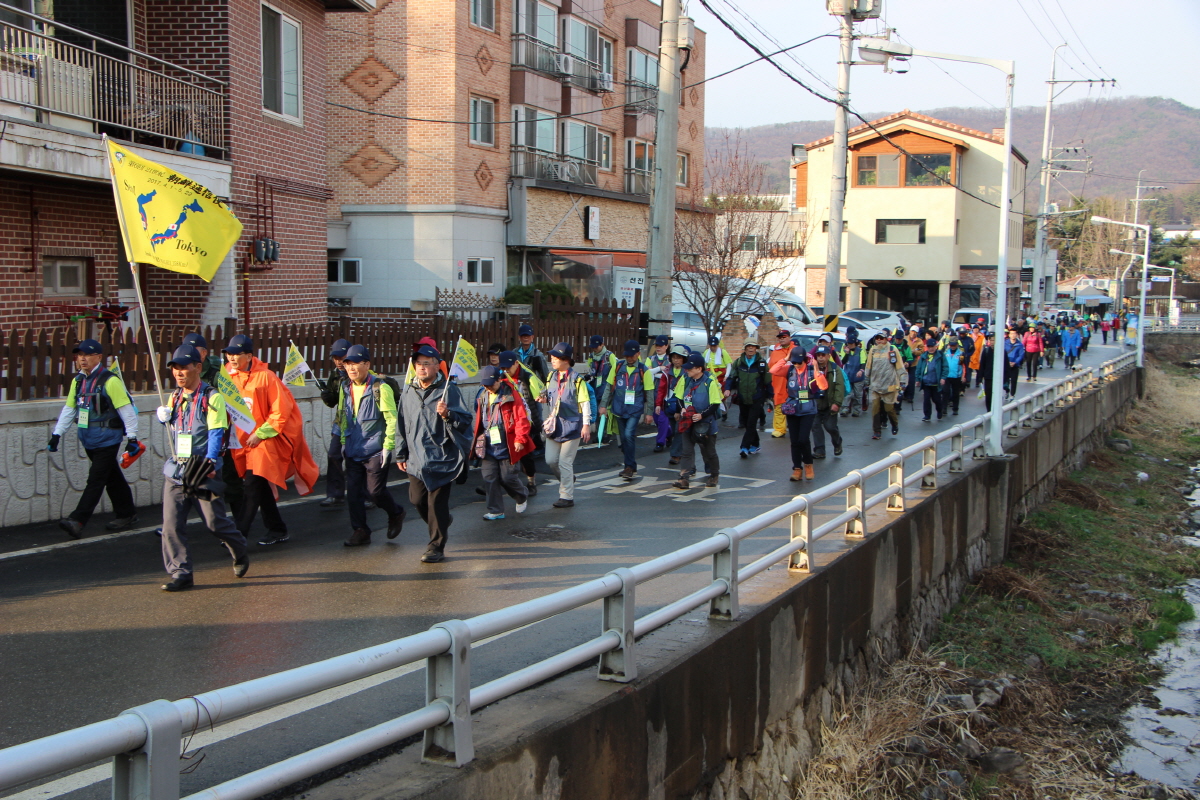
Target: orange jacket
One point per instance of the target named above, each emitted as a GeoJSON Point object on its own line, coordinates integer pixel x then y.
{"type": "Point", "coordinates": [779, 382]}
{"type": "Point", "coordinates": [283, 452]}
{"type": "Point", "coordinates": [977, 354]}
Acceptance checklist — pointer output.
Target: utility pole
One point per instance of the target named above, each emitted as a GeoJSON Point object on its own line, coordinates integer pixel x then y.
{"type": "Point", "coordinates": [661, 259]}
{"type": "Point", "coordinates": [1137, 208]}
{"type": "Point", "coordinates": [837, 189]}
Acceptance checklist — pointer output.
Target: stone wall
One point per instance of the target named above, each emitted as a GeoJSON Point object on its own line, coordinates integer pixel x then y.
{"type": "Point", "coordinates": [729, 710]}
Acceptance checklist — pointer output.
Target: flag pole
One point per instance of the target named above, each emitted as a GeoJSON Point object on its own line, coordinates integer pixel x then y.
{"type": "Point", "coordinates": [449, 372]}
{"type": "Point", "coordinates": [137, 285]}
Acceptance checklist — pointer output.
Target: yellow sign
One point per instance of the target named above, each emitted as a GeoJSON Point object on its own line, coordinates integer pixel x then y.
{"type": "Point", "coordinates": [831, 323]}
{"type": "Point", "coordinates": [465, 363]}
{"type": "Point", "coordinates": [296, 366]}
{"type": "Point", "coordinates": [239, 412]}
{"type": "Point", "coordinates": [168, 219]}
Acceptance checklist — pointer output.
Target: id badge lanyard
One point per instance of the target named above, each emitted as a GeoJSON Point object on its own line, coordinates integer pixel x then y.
{"type": "Point", "coordinates": [494, 419]}
{"type": "Point", "coordinates": [89, 387]}
{"type": "Point", "coordinates": [183, 441]}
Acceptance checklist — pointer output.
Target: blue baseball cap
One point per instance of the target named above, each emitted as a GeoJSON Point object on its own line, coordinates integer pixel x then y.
{"type": "Point", "coordinates": [507, 359]}
{"type": "Point", "coordinates": [797, 356]}
{"type": "Point", "coordinates": [489, 375]}
{"type": "Point", "coordinates": [184, 355]}
{"type": "Point", "coordinates": [660, 341]}
{"type": "Point", "coordinates": [357, 353]}
{"type": "Point", "coordinates": [694, 360]}
{"type": "Point", "coordinates": [562, 350]}
{"type": "Point", "coordinates": [338, 349]}
{"type": "Point", "coordinates": [427, 350]}
{"type": "Point", "coordinates": [596, 341]}
{"type": "Point", "coordinates": [525, 330]}
{"type": "Point", "coordinates": [240, 344]}
{"type": "Point", "coordinates": [713, 340]}
{"type": "Point", "coordinates": [631, 348]}
{"type": "Point", "coordinates": [195, 340]}
{"type": "Point", "coordinates": [89, 347]}
{"type": "Point", "coordinates": [823, 350]}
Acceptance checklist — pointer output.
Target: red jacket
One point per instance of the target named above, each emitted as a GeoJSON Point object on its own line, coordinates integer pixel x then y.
{"type": "Point", "coordinates": [515, 417]}
{"type": "Point", "coordinates": [1033, 342]}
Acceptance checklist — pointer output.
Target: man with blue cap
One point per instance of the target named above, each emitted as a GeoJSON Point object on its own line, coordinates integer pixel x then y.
{"type": "Point", "coordinates": [198, 425]}
{"type": "Point", "coordinates": [432, 444]}
{"type": "Point", "coordinates": [367, 418]}
{"type": "Point", "coordinates": [210, 368]}
{"type": "Point", "coordinates": [716, 359]}
{"type": "Point", "coordinates": [99, 407]}
{"type": "Point", "coordinates": [528, 354]}
{"type": "Point", "coordinates": [210, 364]}
{"type": "Point", "coordinates": [659, 362]}
{"type": "Point", "coordinates": [602, 363]}
{"type": "Point", "coordinates": [331, 396]}
{"type": "Point", "coordinates": [629, 399]}
{"type": "Point", "coordinates": [698, 397]}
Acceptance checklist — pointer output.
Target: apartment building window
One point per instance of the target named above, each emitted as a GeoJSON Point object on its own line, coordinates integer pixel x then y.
{"type": "Point", "coordinates": [604, 144]}
{"type": "Point", "coordinates": [483, 14]}
{"type": "Point", "coordinates": [581, 141]}
{"type": "Point", "coordinates": [538, 20]}
{"type": "Point", "coordinates": [932, 169]}
{"type": "Point", "coordinates": [899, 231]}
{"type": "Point", "coordinates": [643, 68]}
{"type": "Point", "coordinates": [345, 271]}
{"type": "Point", "coordinates": [750, 242]}
{"type": "Point", "coordinates": [969, 296]}
{"type": "Point", "coordinates": [280, 63]}
{"type": "Point", "coordinates": [606, 56]}
{"type": "Point", "coordinates": [483, 121]}
{"type": "Point", "coordinates": [581, 40]}
{"type": "Point", "coordinates": [480, 271]}
{"type": "Point", "coordinates": [64, 277]}
{"type": "Point", "coordinates": [681, 169]}
{"type": "Point", "coordinates": [534, 129]}
{"type": "Point", "coordinates": [639, 155]}
{"type": "Point", "coordinates": [878, 170]}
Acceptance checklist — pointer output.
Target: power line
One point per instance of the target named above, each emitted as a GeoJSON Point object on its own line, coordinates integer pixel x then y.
{"type": "Point", "coordinates": [950, 75]}
{"type": "Point", "coordinates": [1067, 17]}
{"type": "Point", "coordinates": [756, 60]}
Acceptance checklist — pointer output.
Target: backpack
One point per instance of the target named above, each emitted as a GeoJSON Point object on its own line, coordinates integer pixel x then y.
{"type": "Point", "coordinates": [103, 403]}
{"type": "Point", "coordinates": [390, 381]}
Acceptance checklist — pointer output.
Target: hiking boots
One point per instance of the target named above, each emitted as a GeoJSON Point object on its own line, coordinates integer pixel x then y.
{"type": "Point", "coordinates": [797, 474]}
{"type": "Point", "coordinates": [809, 475]}
{"type": "Point", "coordinates": [358, 538]}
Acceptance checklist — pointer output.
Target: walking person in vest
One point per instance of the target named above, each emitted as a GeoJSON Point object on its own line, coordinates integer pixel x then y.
{"type": "Point", "coordinates": [602, 365]}
{"type": "Point", "coordinates": [664, 398]}
{"type": "Point", "coordinates": [331, 396]}
{"type": "Point", "coordinates": [829, 401]}
{"type": "Point", "coordinates": [798, 372]}
{"type": "Point", "coordinates": [433, 445]}
{"type": "Point", "coordinates": [99, 407]}
{"type": "Point", "coordinates": [529, 355]}
{"type": "Point", "coordinates": [501, 437]}
{"type": "Point", "coordinates": [367, 418]}
{"type": "Point", "coordinates": [699, 398]}
{"type": "Point", "coordinates": [852, 360]}
{"type": "Point", "coordinates": [198, 425]}
{"type": "Point", "coordinates": [716, 359]}
{"type": "Point", "coordinates": [567, 423]}
{"type": "Point", "coordinates": [929, 374]}
{"type": "Point", "coordinates": [748, 385]}
{"type": "Point", "coordinates": [659, 362]}
{"type": "Point", "coordinates": [630, 400]}
{"type": "Point", "coordinates": [210, 368]}
{"type": "Point", "coordinates": [276, 451]}
{"type": "Point", "coordinates": [529, 386]}
{"type": "Point", "coordinates": [952, 377]}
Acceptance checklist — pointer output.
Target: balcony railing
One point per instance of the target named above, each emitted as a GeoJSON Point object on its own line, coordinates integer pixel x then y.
{"type": "Point", "coordinates": [585, 75]}
{"type": "Point", "coordinates": [528, 162]}
{"type": "Point", "coordinates": [45, 79]}
{"type": "Point", "coordinates": [640, 98]}
{"type": "Point", "coordinates": [534, 53]}
{"type": "Point", "coordinates": [638, 181]}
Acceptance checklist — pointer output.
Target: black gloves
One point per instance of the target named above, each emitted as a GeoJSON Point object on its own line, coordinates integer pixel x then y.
{"type": "Point", "coordinates": [131, 447]}
{"type": "Point", "coordinates": [53, 445]}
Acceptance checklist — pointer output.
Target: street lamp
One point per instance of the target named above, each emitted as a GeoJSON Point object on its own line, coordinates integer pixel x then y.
{"type": "Point", "coordinates": [1171, 300]}
{"type": "Point", "coordinates": [873, 49]}
{"type": "Point", "coordinates": [1141, 325]}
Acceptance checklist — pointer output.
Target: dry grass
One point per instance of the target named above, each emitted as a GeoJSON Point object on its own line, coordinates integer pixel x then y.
{"type": "Point", "coordinates": [1008, 583]}
{"type": "Point", "coordinates": [1172, 398]}
{"type": "Point", "coordinates": [1078, 494]}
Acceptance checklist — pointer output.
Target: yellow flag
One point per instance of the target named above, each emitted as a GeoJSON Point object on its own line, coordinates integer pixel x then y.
{"type": "Point", "coordinates": [114, 367]}
{"type": "Point", "coordinates": [168, 219]}
{"type": "Point", "coordinates": [465, 363]}
{"type": "Point", "coordinates": [239, 413]}
{"type": "Point", "coordinates": [296, 366]}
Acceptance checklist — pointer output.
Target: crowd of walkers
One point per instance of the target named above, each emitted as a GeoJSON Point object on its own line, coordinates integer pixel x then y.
{"type": "Point", "coordinates": [530, 405]}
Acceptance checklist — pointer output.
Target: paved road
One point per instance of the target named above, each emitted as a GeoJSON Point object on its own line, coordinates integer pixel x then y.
{"type": "Point", "coordinates": [85, 632]}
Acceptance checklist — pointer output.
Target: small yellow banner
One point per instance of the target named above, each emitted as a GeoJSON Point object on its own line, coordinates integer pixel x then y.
{"type": "Point", "coordinates": [466, 362]}
{"type": "Point", "coordinates": [296, 366]}
{"type": "Point", "coordinates": [239, 413]}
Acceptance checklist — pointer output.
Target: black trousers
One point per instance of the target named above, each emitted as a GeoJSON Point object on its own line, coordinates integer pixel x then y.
{"type": "Point", "coordinates": [235, 490]}
{"type": "Point", "coordinates": [1031, 364]}
{"type": "Point", "coordinates": [933, 399]}
{"type": "Point", "coordinates": [951, 392]}
{"type": "Point", "coordinates": [1011, 374]}
{"type": "Point", "coordinates": [800, 435]}
{"type": "Point", "coordinates": [707, 442]}
{"type": "Point", "coordinates": [749, 415]}
{"type": "Point", "coordinates": [256, 494]}
{"type": "Point", "coordinates": [434, 507]}
{"type": "Point", "coordinates": [368, 479]}
{"type": "Point", "coordinates": [335, 478]}
{"type": "Point", "coordinates": [826, 421]}
{"type": "Point", "coordinates": [104, 475]}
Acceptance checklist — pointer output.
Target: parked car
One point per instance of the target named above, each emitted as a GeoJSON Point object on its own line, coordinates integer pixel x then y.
{"type": "Point", "coordinates": [687, 327]}
{"type": "Point", "coordinates": [892, 320]}
{"type": "Point", "coordinates": [969, 316]}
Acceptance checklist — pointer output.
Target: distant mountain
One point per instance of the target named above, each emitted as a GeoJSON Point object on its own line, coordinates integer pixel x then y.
{"type": "Point", "coordinates": [1123, 135]}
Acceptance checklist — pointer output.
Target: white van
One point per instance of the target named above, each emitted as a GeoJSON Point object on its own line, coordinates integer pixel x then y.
{"type": "Point", "coordinates": [969, 316]}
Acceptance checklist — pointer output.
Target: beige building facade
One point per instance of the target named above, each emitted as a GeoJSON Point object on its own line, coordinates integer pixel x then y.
{"type": "Point", "coordinates": [921, 216]}
{"type": "Point", "coordinates": [491, 143]}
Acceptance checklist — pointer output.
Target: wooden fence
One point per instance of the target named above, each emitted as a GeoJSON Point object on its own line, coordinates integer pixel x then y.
{"type": "Point", "coordinates": [37, 363]}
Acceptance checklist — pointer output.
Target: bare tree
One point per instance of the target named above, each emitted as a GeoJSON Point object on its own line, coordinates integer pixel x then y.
{"type": "Point", "coordinates": [729, 253]}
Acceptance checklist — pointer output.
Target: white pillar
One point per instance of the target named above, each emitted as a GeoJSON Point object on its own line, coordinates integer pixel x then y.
{"type": "Point", "coordinates": [943, 301]}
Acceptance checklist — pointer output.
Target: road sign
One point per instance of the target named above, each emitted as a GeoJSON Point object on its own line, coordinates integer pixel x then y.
{"type": "Point", "coordinates": [1160, 278]}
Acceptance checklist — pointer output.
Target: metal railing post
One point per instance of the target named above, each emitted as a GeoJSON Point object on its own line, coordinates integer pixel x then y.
{"type": "Point", "coordinates": [725, 568]}
{"type": "Point", "coordinates": [618, 617]}
{"type": "Point", "coordinates": [929, 461]}
{"type": "Point", "coordinates": [801, 528]}
{"type": "Point", "coordinates": [1039, 407]}
{"type": "Point", "coordinates": [448, 681]}
{"type": "Point", "coordinates": [856, 528]}
{"type": "Point", "coordinates": [152, 771]}
{"type": "Point", "coordinates": [1025, 413]}
{"type": "Point", "coordinates": [956, 448]}
{"type": "Point", "coordinates": [1014, 419]}
{"type": "Point", "coordinates": [895, 476]}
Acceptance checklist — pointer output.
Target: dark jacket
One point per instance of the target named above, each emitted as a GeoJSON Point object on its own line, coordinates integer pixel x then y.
{"type": "Point", "coordinates": [748, 383]}
{"type": "Point", "coordinates": [930, 369]}
{"type": "Point", "coordinates": [436, 449]}
{"type": "Point", "coordinates": [835, 395]}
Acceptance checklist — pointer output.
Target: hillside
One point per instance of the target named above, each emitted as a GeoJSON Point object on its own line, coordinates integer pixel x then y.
{"type": "Point", "coordinates": [1123, 135]}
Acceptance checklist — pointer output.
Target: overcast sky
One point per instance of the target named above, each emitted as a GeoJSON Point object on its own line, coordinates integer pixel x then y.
{"type": "Point", "coordinates": [1149, 47]}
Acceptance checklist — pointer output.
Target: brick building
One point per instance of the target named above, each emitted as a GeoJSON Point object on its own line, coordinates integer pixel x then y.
{"type": "Point", "coordinates": [228, 92]}
{"type": "Point", "coordinates": [913, 242]}
{"type": "Point", "coordinates": [472, 143]}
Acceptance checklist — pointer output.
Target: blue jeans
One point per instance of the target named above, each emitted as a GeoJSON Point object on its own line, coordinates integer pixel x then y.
{"type": "Point", "coordinates": [629, 427]}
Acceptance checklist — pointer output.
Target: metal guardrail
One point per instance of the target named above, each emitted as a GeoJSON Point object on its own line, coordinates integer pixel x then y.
{"type": "Point", "coordinates": [144, 742]}
{"type": "Point", "coordinates": [45, 75]}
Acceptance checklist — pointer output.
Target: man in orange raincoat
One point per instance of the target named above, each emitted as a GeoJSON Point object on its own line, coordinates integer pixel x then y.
{"type": "Point", "coordinates": [276, 451]}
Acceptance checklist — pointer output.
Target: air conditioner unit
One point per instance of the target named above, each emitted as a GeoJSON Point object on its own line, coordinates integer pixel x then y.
{"type": "Point", "coordinates": [564, 63]}
{"type": "Point", "coordinates": [604, 82]}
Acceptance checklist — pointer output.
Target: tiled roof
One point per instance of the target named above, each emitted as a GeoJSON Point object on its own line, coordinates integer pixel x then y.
{"type": "Point", "coordinates": [906, 114]}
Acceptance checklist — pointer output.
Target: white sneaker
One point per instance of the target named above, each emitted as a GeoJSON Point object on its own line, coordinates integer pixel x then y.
{"type": "Point", "coordinates": [522, 506]}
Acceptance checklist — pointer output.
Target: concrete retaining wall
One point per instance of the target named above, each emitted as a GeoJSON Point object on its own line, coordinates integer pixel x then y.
{"type": "Point", "coordinates": [729, 709]}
